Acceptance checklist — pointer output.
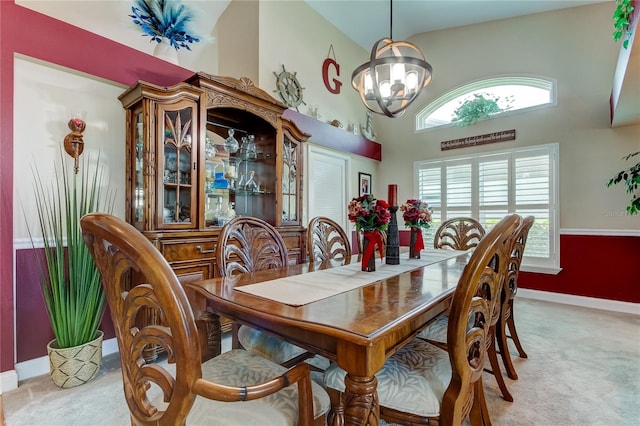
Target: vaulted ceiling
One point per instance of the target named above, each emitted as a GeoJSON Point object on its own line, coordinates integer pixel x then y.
{"type": "Point", "coordinates": [366, 21]}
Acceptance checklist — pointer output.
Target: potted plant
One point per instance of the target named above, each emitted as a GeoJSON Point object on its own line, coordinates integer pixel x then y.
{"type": "Point", "coordinates": [479, 107]}
{"type": "Point", "coordinates": [631, 179]}
{"type": "Point", "coordinates": [167, 23]}
{"type": "Point", "coordinates": [70, 281]}
{"type": "Point", "coordinates": [622, 21]}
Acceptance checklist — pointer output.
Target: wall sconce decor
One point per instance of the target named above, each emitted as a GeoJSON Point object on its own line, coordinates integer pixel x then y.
{"type": "Point", "coordinates": [73, 143]}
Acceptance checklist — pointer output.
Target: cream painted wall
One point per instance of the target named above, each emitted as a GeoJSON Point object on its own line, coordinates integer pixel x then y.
{"type": "Point", "coordinates": [238, 44]}
{"type": "Point", "coordinates": [296, 36]}
{"type": "Point", "coordinates": [572, 46]}
{"type": "Point", "coordinates": [45, 99]}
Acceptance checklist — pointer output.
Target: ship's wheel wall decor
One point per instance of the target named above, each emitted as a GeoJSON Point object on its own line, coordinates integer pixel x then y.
{"type": "Point", "coordinates": [289, 88]}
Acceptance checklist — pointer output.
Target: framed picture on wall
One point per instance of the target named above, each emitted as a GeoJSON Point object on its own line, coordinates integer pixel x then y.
{"type": "Point", "coordinates": [364, 183]}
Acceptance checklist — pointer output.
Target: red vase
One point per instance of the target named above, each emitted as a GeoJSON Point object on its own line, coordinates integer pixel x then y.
{"type": "Point", "coordinates": [368, 262]}
{"type": "Point", "coordinates": [370, 241]}
{"type": "Point", "coordinates": [415, 244]}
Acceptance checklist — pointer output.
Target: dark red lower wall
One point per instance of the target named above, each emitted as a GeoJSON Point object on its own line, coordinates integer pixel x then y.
{"type": "Point", "coordinates": [605, 267]}
{"type": "Point", "coordinates": [33, 329]}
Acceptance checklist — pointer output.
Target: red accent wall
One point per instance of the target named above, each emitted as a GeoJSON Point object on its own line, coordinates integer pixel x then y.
{"type": "Point", "coordinates": [32, 322]}
{"type": "Point", "coordinates": [599, 266]}
{"type": "Point", "coordinates": [605, 267]}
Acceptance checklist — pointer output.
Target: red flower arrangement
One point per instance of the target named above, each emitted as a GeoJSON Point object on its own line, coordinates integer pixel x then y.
{"type": "Point", "coordinates": [371, 216]}
{"type": "Point", "coordinates": [416, 214]}
{"type": "Point", "coordinates": [369, 213]}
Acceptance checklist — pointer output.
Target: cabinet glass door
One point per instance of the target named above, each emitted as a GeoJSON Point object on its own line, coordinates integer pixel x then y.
{"type": "Point", "coordinates": [178, 167]}
{"type": "Point", "coordinates": [290, 181]}
{"type": "Point", "coordinates": [138, 184]}
{"type": "Point", "coordinates": [253, 191]}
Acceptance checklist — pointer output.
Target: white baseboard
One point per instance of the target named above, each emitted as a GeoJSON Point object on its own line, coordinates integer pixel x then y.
{"type": "Point", "coordinates": [586, 302]}
{"type": "Point", "coordinates": [39, 366]}
{"type": "Point", "coordinates": [8, 381]}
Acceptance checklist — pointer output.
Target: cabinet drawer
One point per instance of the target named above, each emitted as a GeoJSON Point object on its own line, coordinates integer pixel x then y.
{"type": "Point", "coordinates": [181, 250]}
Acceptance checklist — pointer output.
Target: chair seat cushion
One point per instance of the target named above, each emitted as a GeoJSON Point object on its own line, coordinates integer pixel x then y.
{"type": "Point", "coordinates": [267, 346]}
{"type": "Point", "coordinates": [413, 380]}
{"type": "Point", "coordinates": [242, 368]}
{"type": "Point", "coordinates": [437, 330]}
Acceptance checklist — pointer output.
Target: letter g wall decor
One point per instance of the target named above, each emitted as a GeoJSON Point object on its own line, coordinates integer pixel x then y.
{"type": "Point", "coordinates": [331, 62]}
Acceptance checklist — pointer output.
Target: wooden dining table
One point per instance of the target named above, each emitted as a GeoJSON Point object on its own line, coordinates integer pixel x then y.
{"type": "Point", "coordinates": [358, 328]}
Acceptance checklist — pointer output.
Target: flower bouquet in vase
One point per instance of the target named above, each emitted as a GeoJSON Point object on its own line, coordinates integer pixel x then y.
{"type": "Point", "coordinates": [417, 216]}
{"type": "Point", "coordinates": [371, 216]}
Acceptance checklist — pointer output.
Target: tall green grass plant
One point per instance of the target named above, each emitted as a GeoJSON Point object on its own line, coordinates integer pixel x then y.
{"type": "Point", "coordinates": [70, 281]}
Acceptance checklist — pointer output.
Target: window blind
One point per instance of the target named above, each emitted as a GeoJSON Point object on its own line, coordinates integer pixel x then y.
{"type": "Point", "coordinates": [489, 186]}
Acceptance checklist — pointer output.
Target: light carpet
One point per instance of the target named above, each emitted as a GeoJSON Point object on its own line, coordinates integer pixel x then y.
{"type": "Point", "coordinates": [583, 369]}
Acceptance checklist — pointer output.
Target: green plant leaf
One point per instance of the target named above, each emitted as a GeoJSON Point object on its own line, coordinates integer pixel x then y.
{"type": "Point", "coordinates": [70, 281]}
{"type": "Point", "coordinates": [631, 179]}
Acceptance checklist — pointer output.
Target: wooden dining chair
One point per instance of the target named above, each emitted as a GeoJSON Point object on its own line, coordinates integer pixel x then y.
{"type": "Point", "coordinates": [235, 387]}
{"type": "Point", "coordinates": [510, 289]}
{"type": "Point", "coordinates": [436, 334]}
{"type": "Point", "coordinates": [458, 233]}
{"type": "Point", "coordinates": [326, 240]}
{"type": "Point", "coordinates": [248, 244]}
{"type": "Point", "coordinates": [422, 384]}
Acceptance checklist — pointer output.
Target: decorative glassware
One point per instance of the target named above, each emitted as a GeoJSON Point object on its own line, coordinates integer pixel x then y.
{"type": "Point", "coordinates": [220, 182]}
{"type": "Point", "coordinates": [218, 214]}
{"type": "Point", "coordinates": [209, 148]}
{"type": "Point", "coordinates": [251, 147]}
{"type": "Point", "coordinates": [231, 143]}
{"type": "Point", "coordinates": [230, 173]}
{"type": "Point", "coordinates": [251, 184]}
{"type": "Point", "coordinates": [230, 213]}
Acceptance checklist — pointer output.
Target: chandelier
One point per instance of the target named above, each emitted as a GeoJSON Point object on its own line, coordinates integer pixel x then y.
{"type": "Point", "coordinates": [394, 76]}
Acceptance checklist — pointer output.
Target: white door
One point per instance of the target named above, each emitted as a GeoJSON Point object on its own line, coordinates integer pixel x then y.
{"type": "Point", "coordinates": [328, 184]}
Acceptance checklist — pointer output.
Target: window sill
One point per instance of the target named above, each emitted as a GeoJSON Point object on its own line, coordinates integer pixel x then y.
{"type": "Point", "coordinates": [541, 269]}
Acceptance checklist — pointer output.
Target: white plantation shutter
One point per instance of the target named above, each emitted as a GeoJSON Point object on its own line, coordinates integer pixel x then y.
{"type": "Point", "coordinates": [489, 186]}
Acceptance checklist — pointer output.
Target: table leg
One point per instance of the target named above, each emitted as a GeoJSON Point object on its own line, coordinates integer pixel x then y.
{"type": "Point", "coordinates": [359, 403]}
{"type": "Point", "coordinates": [208, 323]}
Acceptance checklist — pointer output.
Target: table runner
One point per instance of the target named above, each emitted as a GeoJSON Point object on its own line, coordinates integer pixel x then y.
{"type": "Point", "coordinates": [306, 288]}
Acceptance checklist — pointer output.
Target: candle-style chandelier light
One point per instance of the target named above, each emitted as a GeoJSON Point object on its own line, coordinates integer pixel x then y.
{"type": "Point", "coordinates": [394, 77]}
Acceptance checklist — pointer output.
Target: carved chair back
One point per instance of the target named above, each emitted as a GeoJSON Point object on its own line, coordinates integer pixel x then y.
{"type": "Point", "coordinates": [459, 233]}
{"type": "Point", "coordinates": [477, 292]}
{"type": "Point", "coordinates": [248, 244]}
{"type": "Point", "coordinates": [164, 393]}
{"type": "Point", "coordinates": [326, 240]}
{"type": "Point", "coordinates": [517, 251]}
{"type": "Point", "coordinates": [119, 249]}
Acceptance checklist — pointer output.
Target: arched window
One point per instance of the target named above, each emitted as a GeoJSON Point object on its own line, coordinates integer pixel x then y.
{"type": "Point", "coordinates": [508, 93]}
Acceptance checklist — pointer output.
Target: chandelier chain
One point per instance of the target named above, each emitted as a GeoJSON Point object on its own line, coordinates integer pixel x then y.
{"type": "Point", "coordinates": [391, 19]}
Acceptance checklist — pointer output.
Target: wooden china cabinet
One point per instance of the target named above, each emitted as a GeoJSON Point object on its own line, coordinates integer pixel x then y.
{"type": "Point", "coordinates": [184, 171]}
